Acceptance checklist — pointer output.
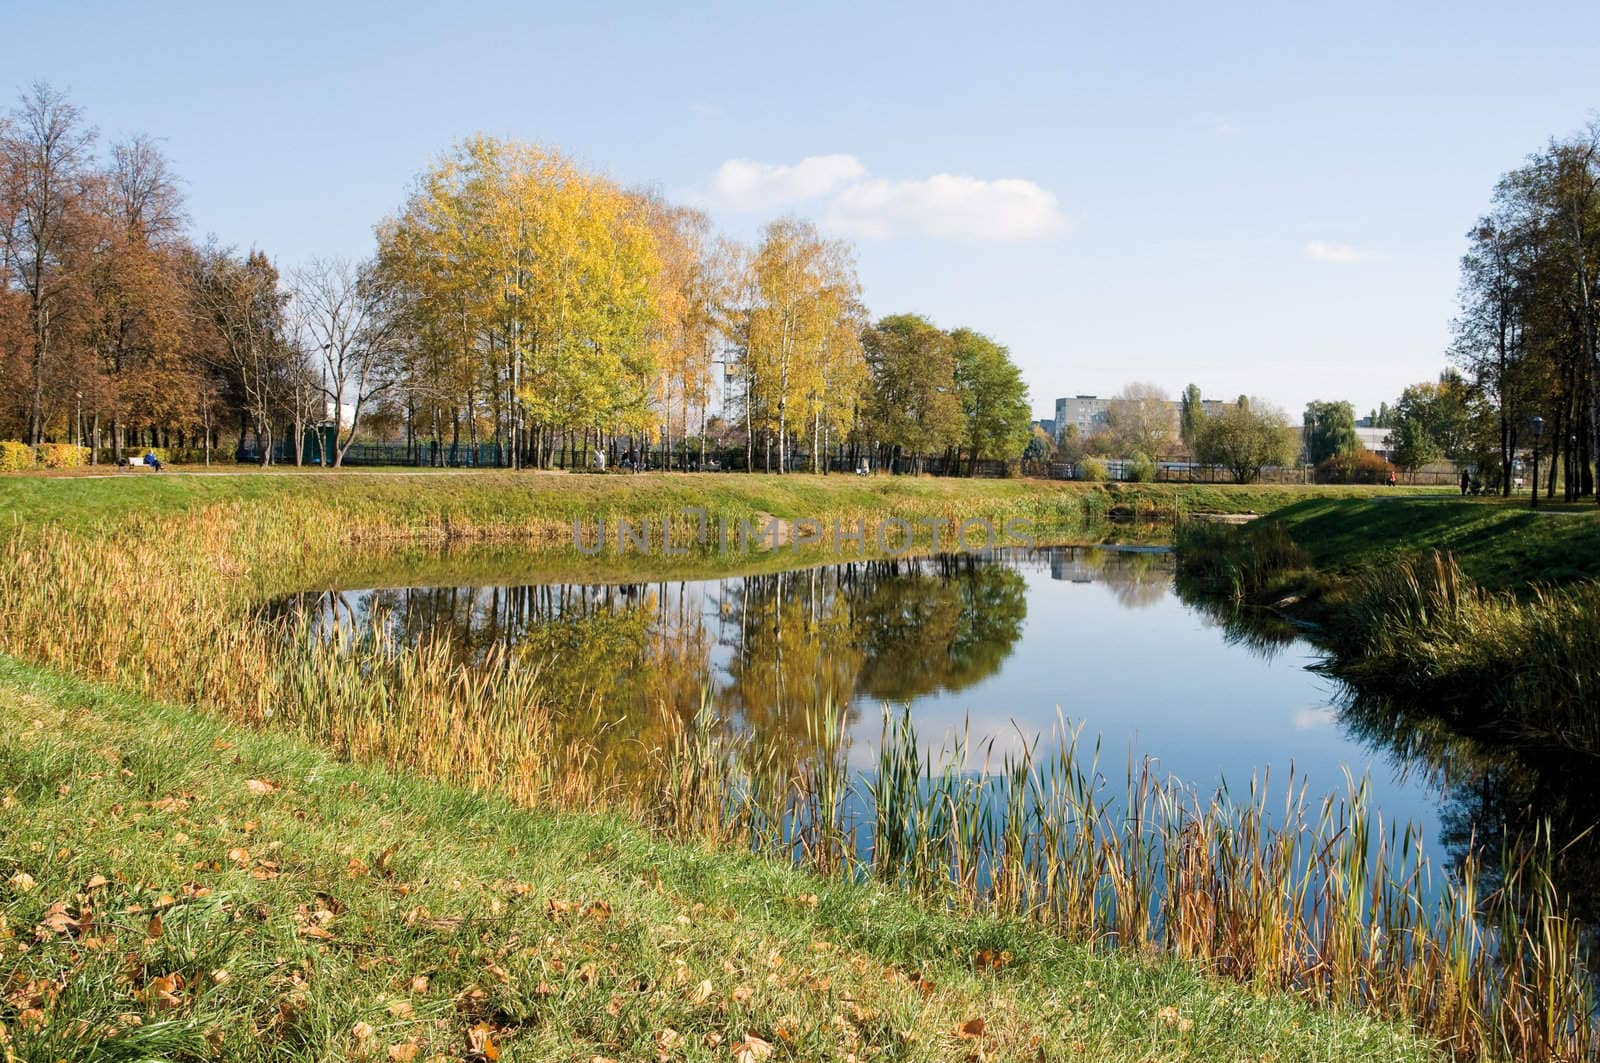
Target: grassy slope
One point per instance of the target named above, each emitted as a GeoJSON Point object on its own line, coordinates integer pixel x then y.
{"type": "Point", "coordinates": [507, 499]}
{"type": "Point", "coordinates": [1500, 545]}
{"type": "Point", "coordinates": [713, 947]}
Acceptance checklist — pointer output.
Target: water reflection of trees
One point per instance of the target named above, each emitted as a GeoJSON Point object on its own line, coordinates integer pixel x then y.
{"type": "Point", "coordinates": [1497, 795]}
{"type": "Point", "coordinates": [845, 635]}
{"type": "Point", "coordinates": [1498, 798]}
{"type": "Point", "coordinates": [770, 646]}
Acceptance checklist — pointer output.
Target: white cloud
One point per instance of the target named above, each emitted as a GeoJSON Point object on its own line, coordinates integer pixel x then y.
{"type": "Point", "coordinates": [1344, 254]}
{"type": "Point", "coordinates": [946, 205]}
{"type": "Point", "coordinates": [857, 204]}
{"type": "Point", "coordinates": [745, 185]}
{"type": "Point", "coordinates": [1321, 716]}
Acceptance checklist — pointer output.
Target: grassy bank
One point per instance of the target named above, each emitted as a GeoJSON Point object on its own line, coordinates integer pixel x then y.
{"type": "Point", "coordinates": [158, 600]}
{"type": "Point", "coordinates": [1499, 545]}
{"type": "Point", "coordinates": [1484, 612]}
{"type": "Point", "coordinates": [174, 887]}
{"type": "Point", "coordinates": [357, 503]}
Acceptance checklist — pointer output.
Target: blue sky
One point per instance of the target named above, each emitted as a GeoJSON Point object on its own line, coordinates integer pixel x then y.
{"type": "Point", "coordinates": [1268, 199]}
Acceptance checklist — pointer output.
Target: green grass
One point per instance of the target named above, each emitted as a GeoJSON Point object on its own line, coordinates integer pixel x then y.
{"type": "Point", "coordinates": [295, 923]}
{"type": "Point", "coordinates": [429, 501]}
{"type": "Point", "coordinates": [1500, 545]}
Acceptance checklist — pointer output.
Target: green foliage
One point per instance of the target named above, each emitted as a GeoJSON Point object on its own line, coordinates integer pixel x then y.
{"type": "Point", "coordinates": [1361, 467]}
{"type": "Point", "coordinates": [1414, 446]}
{"type": "Point", "coordinates": [1094, 470]}
{"type": "Point", "coordinates": [1246, 438]}
{"type": "Point", "coordinates": [1191, 411]}
{"type": "Point", "coordinates": [914, 404]}
{"type": "Point", "coordinates": [1143, 469]}
{"type": "Point", "coordinates": [994, 398]}
{"type": "Point", "coordinates": [1040, 446]}
{"type": "Point", "coordinates": [1240, 564]}
{"type": "Point", "coordinates": [1433, 420]}
{"type": "Point", "coordinates": [1330, 429]}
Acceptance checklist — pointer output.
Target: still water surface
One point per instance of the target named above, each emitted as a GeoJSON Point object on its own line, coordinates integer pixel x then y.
{"type": "Point", "coordinates": [1001, 645]}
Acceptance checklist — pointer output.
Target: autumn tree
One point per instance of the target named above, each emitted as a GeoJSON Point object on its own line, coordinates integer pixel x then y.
{"type": "Point", "coordinates": [531, 285]}
{"type": "Point", "coordinates": [683, 333]}
{"type": "Point", "coordinates": [242, 309]}
{"type": "Point", "coordinates": [800, 322]}
{"type": "Point", "coordinates": [46, 162]}
{"type": "Point", "coordinates": [145, 377]}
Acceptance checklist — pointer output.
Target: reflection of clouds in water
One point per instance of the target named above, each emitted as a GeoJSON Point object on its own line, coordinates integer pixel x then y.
{"type": "Point", "coordinates": [987, 746]}
{"type": "Point", "coordinates": [1316, 716]}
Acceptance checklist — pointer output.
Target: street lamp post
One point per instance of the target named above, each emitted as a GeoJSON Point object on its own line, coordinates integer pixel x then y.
{"type": "Point", "coordinates": [1538, 430]}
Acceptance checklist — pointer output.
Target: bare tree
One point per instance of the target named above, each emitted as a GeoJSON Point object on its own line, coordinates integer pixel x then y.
{"type": "Point", "coordinates": [1143, 420]}
{"type": "Point", "coordinates": [350, 323]}
{"type": "Point", "coordinates": [244, 307]}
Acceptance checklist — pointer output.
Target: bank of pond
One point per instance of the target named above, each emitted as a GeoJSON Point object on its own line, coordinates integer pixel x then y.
{"type": "Point", "coordinates": [1076, 734]}
{"type": "Point", "coordinates": [1072, 735]}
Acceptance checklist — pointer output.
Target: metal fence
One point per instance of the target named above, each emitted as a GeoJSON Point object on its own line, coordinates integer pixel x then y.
{"type": "Point", "coordinates": [491, 455]}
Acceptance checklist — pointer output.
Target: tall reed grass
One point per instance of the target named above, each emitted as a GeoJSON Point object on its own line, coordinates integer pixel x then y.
{"type": "Point", "coordinates": [1315, 896]}
{"type": "Point", "coordinates": [1526, 669]}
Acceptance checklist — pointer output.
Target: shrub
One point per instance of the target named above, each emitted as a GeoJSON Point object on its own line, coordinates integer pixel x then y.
{"type": "Point", "coordinates": [1360, 467]}
{"type": "Point", "coordinates": [1143, 469]}
{"type": "Point", "coordinates": [62, 455]}
{"type": "Point", "coordinates": [1094, 470]}
{"type": "Point", "coordinates": [15, 456]}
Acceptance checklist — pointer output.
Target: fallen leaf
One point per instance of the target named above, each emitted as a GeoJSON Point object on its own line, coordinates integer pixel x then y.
{"type": "Point", "coordinates": [152, 929]}
{"type": "Point", "coordinates": [480, 1040]}
{"type": "Point", "coordinates": [667, 1039]}
{"type": "Point", "coordinates": [742, 993]}
{"type": "Point", "coordinates": [419, 984]}
{"type": "Point", "coordinates": [751, 1050]}
{"type": "Point", "coordinates": [361, 1031]}
{"type": "Point", "coordinates": [314, 931]}
{"type": "Point", "coordinates": [22, 882]}
{"type": "Point", "coordinates": [401, 1053]}
{"type": "Point", "coordinates": [262, 787]}
{"type": "Point", "coordinates": [989, 960]}
{"type": "Point", "coordinates": [163, 991]}
{"type": "Point", "coordinates": [57, 921]}
{"type": "Point", "coordinates": [972, 1028]}
{"type": "Point", "coordinates": [96, 882]}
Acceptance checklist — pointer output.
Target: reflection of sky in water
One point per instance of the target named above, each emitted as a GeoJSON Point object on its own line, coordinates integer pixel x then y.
{"type": "Point", "coordinates": [1104, 639]}
{"type": "Point", "coordinates": [1158, 678]}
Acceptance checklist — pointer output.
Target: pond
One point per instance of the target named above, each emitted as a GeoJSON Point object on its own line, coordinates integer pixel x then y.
{"type": "Point", "coordinates": [1002, 646]}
